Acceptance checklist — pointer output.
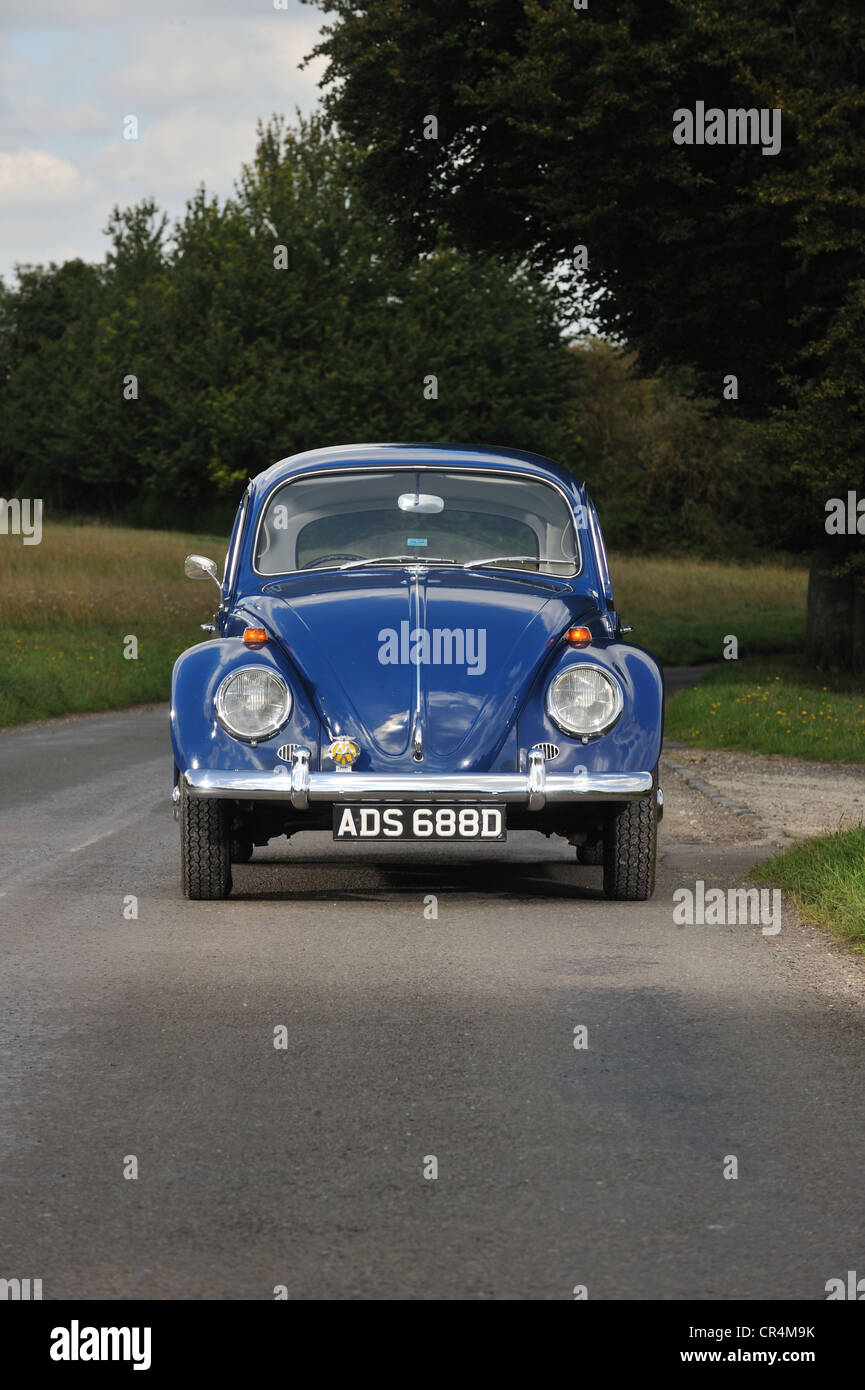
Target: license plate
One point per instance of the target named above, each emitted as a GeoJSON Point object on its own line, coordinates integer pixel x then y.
{"type": "Point", "coordinates": [419, 823]}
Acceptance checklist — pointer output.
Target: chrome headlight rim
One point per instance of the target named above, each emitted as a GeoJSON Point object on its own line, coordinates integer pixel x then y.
{"type": "Point", "coordinates": [274, 728]}
{"type": "Point", "coordinates": [618, 693]}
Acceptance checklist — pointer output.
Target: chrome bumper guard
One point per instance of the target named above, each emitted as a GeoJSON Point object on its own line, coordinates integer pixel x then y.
{"type": "Point", "coordinates": [534, 789]}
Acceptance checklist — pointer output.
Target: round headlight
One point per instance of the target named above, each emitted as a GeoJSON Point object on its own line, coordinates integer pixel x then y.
{"type": "Point", "coordinates": [584, 700]}
{"type": "Point", "coordinates": [253, 702]}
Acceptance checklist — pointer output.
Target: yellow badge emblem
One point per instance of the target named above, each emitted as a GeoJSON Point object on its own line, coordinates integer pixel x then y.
{"type": "Point", "coordinates": [344, 751]}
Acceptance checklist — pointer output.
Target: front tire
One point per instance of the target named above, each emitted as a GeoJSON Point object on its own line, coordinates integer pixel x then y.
{"type": "Point", "coordinates": [205, 848]}
{"type": "Point", "coordinates": [630, 849]}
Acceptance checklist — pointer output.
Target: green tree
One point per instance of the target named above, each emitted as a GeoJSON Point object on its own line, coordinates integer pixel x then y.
{"type": "Point", "coordinates": [555, 131]}
{"type": "Point", "coordinates": [665, 470]}
{"type": "Point", "coordinates": [277, 320]}
{"type": "Point", "coordinates": [290, 323]}
{"type": "Point", "coordinates": [47, 325]}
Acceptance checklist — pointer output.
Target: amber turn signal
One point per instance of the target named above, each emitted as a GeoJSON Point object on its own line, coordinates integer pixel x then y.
{"type": "Point", "coordinates": [578, 636]}
{"type": "Point", "coordinates": [254, 636]}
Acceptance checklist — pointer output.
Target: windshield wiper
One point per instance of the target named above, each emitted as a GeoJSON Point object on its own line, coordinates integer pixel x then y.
{"type": "Point", "coordinates": [504, 559]}
{"type": "Point", "coordinates": [399, 559]}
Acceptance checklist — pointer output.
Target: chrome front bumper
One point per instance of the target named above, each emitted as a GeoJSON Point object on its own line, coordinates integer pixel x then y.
{"type": "Point", "coordinates": [533, 789]}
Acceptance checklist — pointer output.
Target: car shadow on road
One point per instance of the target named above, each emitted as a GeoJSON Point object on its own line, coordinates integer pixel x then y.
{"type": "Point", "coordinates": [320, 879]}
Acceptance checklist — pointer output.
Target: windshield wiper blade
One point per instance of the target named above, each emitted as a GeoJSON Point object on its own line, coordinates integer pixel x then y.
{"type": "Point", "coordinates": [399, 559]}
{"type": "Point", "coordinates": [503, 559]}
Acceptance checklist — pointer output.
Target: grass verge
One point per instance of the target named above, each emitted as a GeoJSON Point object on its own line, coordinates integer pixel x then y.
{"type": "Point", "coordinates": [69, 605]}
{"type": "Point", "coordinates": [683, 609]}
{"type": "Point", "coordinates": [773, 705]}
{"type": "Point", "coordinates": [826, 878]}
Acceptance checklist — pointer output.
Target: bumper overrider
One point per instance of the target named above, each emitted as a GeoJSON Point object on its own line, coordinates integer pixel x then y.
{"type": "Point", "coordinates": [533, 789]}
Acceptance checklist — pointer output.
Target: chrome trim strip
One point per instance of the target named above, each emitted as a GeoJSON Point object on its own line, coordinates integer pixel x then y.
{"type": "Point", "coordinates": [231, 564]}
{"type": "Point", "coordinates": [515, 788]}
{"type": "Point", "coordinates": [417, 572]}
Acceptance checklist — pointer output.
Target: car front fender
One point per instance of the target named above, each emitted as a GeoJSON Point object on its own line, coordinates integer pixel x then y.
{"type": "Point", "coordinates": [199, 740]}
{"type": "Point", "coordinates": [634, 742]}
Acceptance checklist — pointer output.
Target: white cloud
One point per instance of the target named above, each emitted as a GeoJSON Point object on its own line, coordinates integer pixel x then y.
{"type": "Point", "coordinates": [198, 74]}
{"type": "Point", "coordinates": [80, 13]}
{"type": "Point", "coordinates": [225, 63]}
{"type": "Point", "coordinates": [174, 155]}
{"type": "Point", "coordinates": [32, 179]}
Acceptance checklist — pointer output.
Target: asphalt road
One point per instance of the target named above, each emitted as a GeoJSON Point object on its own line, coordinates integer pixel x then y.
{"type": "Point", "coordinates": [407, 1037]}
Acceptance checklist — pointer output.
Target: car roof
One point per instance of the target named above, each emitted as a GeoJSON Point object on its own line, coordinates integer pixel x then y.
{"type": "Point", "coordinates": [404, 455]}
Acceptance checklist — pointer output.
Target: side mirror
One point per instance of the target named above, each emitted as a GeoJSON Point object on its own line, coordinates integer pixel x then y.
{"type": "Point", "coordinates": [199, 567]}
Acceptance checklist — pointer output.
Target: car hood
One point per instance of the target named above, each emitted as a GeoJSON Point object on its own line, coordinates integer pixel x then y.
{"type": "Point", "coordinates": [462, 647]}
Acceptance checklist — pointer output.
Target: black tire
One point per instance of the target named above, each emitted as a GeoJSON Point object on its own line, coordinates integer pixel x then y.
{"type": "Point", "coordinates": [241, 851]}
{"type": "Point", "coordinates": [591, 854]}
{"type": "Point", "coordinates": [205, 850]}
{"type": "Point", "coordinates": [630, 847]}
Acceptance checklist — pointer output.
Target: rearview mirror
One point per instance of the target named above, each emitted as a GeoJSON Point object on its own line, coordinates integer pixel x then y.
{"type": "Point", "coordinates": [425, 502]}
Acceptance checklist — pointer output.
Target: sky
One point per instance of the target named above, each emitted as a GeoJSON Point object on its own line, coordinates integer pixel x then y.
{"type": "Point", "coordinates": [196, 74]}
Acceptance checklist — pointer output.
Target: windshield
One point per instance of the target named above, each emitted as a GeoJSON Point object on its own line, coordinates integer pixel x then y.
{"type": "Point", "coordinates": [405, 516]}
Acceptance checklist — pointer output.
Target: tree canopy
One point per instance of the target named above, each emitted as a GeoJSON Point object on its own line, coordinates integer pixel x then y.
{"type": "Point", "coordinates": [275, 321]}
{"type": "Point", "coordinates": [555, 130]}
{"type": "Point", "coordinates": [538, 129]}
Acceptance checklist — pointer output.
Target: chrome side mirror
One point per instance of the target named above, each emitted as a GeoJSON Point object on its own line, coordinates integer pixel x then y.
{"type": "Point", "coordinates": [199, 567]}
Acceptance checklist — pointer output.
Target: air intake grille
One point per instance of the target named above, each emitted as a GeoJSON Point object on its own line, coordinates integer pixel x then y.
{"type": "Point", "coordinates": [287, 752]}
{"type": "Point", "coordinates": [549, 750]}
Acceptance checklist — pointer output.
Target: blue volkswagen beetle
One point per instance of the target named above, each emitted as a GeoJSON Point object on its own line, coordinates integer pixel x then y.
{"type": "Point", "coordinates": [416, 642]}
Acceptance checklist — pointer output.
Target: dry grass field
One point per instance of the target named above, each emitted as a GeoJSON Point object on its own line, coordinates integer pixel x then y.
{"type": "Point", "coordinates": [682, 609]}
{"type": "Point", "coordinates": [68, 604]}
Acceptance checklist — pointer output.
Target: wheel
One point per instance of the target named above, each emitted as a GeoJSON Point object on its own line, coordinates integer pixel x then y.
{"type": "Point", "coordinates": [630, 847]}
{"type": "Point", "coordinates": [591, 854]}
{"type": "Point", "coordinates": [241, 851]}
{"type": "Point", "coordinates": [204, 846]}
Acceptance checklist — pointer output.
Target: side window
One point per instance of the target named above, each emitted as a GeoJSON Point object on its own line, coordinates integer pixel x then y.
{"type": "Point", "coordinates": [600, 552]}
